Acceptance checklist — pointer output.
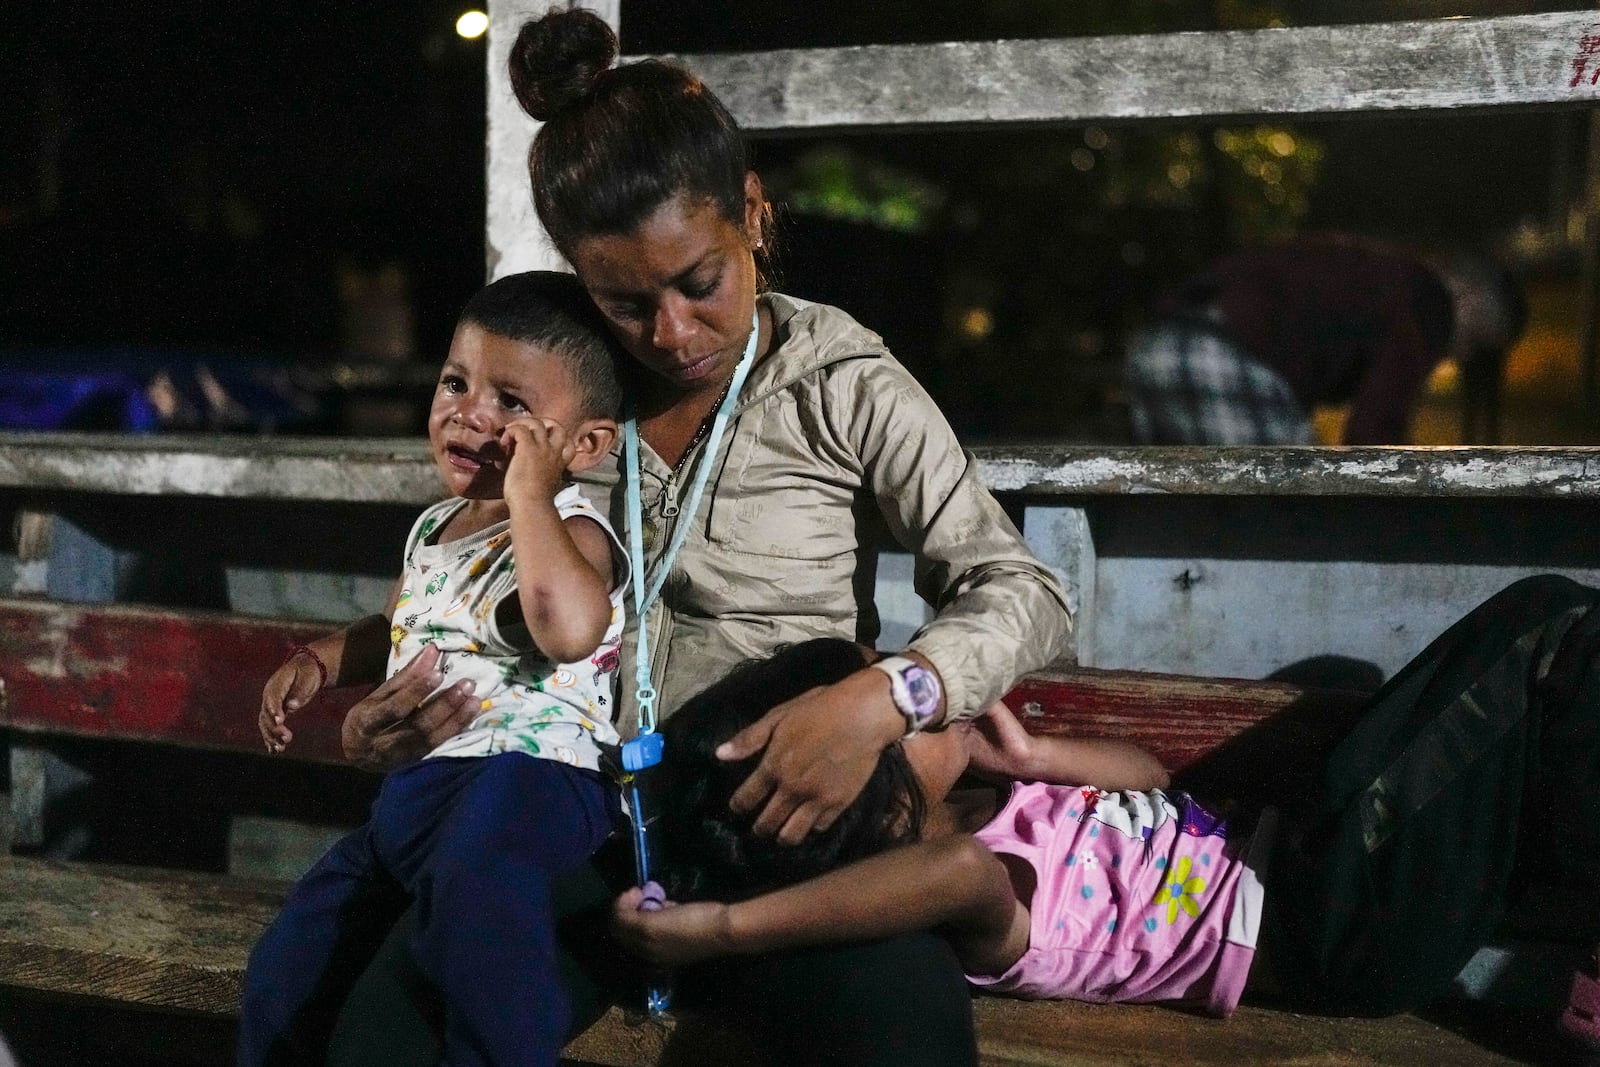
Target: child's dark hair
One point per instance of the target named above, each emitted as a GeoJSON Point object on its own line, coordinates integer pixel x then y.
{"type": "Point", "coordinates": [550, 309]}
{"type": "Point", "coordinates": [618, 142]}
{"type": "Point", "coordinates": [712, 853]}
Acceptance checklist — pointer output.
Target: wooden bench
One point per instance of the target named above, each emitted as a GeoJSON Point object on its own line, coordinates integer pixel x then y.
{"type": "Point", "coordinates": [177, 941]}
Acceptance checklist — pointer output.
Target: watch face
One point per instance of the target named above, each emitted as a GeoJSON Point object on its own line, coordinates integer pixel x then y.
{"type": "Point", "coordinates": [923, 688]}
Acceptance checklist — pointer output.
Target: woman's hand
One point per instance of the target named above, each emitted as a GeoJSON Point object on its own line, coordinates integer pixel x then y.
{"type": "Point", "coordinates": [286, 692]}
{"type": "Point", "coordinates": [674, 935]}
{"type": "Point", "coordinates": [821, 748]}
{"type": "Point", "coordinates": [399, 722]}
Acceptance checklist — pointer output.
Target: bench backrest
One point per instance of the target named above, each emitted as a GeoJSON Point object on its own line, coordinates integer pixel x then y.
{"type": "Point", "coordinates": [194, 679]}
{"type": "Point", "coordinates": [1542, 60]}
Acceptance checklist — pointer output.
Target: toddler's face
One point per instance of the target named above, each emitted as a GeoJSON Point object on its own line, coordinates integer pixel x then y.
{"type": "Point", "coordinates": [488, 382]}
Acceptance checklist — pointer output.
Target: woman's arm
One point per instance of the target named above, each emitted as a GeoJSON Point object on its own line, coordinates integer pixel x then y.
{"type": "Point", "coordinates": [1001, 613]}
{"type": "Point", "coordinates": [401, 720]}
{"type": "Point", "coordinates": [952, 884]}
{"type": "Point", "coordinates": [407, 716]}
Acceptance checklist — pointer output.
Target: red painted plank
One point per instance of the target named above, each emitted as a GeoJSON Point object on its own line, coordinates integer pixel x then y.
{"type": "Point", "coordinates": [192, 678]}
{"type": "Point", "coordinates": [146, 674]}
{"type": "Point", "coordinates": [1226, 739]}
{"type": "Point", "coordinates": [1181, 719]}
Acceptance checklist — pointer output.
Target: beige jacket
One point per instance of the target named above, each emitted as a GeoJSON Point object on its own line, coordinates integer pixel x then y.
{"type": "Point", "coordinates": [832, 445]}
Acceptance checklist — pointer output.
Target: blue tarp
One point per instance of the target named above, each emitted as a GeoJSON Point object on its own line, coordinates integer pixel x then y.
{"type": "Point", "coordinates": [143, 391]}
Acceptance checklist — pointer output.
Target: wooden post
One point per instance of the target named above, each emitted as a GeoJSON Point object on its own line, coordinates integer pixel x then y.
{"type": "Point", "coordinates": [81, 570]}
{"type": "Point", "coordinates": [1062, 538]}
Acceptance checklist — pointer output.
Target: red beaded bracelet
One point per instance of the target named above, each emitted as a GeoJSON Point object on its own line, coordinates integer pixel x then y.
{"type": "Point", "coordinates": [322, 668]}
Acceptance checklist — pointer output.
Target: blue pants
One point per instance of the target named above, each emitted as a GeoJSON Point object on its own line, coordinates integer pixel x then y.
{"type": "Point", "coordinates": [475, 842]}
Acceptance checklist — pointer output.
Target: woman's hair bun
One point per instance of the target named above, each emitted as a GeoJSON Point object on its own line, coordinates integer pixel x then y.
{"type": "Point", "coordinates": [557, 59]}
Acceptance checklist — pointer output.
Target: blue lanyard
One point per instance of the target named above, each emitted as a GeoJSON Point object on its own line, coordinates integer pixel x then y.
{"type": "Point", "coordinates": [645, 693]}
{"type": "Point", "coordinates": [644, 751]}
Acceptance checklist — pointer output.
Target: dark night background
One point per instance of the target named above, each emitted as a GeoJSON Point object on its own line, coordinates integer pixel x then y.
{"type": "Point", "coordinates": [253, 182]}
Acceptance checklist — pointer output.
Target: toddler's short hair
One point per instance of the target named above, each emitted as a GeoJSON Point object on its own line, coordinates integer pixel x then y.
{"type": "Point", "coordinates": [550, 309]}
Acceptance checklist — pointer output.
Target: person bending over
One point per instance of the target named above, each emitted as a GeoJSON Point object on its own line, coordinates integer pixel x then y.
{"type": "Point", "coordinates": [1243, 352]}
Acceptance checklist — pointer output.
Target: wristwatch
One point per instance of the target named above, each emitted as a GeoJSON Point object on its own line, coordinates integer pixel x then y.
{"type": "Point", "coordinates": [915, 689]}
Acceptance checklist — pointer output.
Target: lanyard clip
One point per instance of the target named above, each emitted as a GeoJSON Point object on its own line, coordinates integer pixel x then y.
{"type": "Point", "coordinates": [642, 753]}
{"type": "Point", "coordinates": [645, 697]}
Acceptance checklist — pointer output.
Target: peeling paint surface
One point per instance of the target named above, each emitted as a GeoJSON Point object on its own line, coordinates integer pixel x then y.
{"type": "Point", "coordinates": [1409, 471]}
{"type": "Point", "coordinates": [1308, 70]}
{"type": "Point", "coordinates": [399, 471]}
{"type": "Point", "coordinates": [332, 469]}
{"type": "Point", "coordinates": [139, 673]}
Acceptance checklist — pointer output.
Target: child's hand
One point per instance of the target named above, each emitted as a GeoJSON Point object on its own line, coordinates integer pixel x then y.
{"type": "Point", "coordinates": [998, 745]}
{"type": "Point", "coordinates": [286, 692]}
{"type": "Point", "coordinates": [538, 451]}
{"type": "Point", "coordinates": [675, 935]}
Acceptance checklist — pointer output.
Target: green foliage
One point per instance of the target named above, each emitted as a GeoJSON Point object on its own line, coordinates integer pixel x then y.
{"type": "Point", "coordinates": [842, 182]}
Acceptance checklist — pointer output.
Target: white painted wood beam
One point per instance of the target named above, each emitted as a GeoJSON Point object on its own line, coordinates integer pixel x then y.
{"type": "Point", "coordinates": [1441, 64]}
{"type": "Point", "coordinates": [399, 471]}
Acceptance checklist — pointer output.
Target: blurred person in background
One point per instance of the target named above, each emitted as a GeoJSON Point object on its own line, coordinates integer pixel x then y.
{"type": "Point", "coordinates": [1242, 352]}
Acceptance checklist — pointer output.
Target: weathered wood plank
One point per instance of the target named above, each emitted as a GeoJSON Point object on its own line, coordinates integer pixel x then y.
{"type": "Point", "coordinates": [1066, 1034]}
{"type": "Point", "coordinates": [1180, 718]}
{"type": "Point", "coordinates": [1014, 1033]}
{"type": "Point", "coordinates": [134, 935]}
{"type": "Point", "coordinates": [389, 471]}
{"type": "Point", "coordinates": [195, 678]}
{"type": "Point", "coordinates": [1226, 740]}
{"type": "Point", "coordinates": [392, 471]}
{"type": "Point", "coordinates": [1413, 472]}
{"type": "Point", "coordinates": [142, 674]}
{"type": "Point", "coordinates": [1442, 64]}
{"type": "Point", "coordinates": [179, 942]}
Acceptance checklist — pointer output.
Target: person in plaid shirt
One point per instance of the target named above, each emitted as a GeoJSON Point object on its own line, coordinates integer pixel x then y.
{"type": "Point", "coordinates": [1243, 351]}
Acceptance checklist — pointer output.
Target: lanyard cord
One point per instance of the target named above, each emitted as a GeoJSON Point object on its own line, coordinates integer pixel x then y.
{"type": "Point", "coordinates": [643, 599]}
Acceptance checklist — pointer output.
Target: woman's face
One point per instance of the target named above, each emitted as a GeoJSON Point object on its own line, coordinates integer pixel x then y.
{"type": "Point", "coordinates": [679, 290]}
